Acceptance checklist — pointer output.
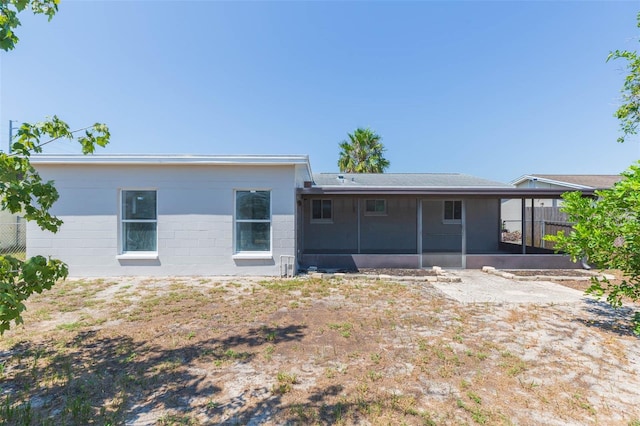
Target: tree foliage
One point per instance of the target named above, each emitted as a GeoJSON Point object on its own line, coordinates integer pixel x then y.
{"type": "Point", "coordinates": [23, 191]}
{"type": "Point", "coordinates": [9, 21]}
{"type": "Point", "coordinates": [607, 230]}
{"type": "Point", "coordinates": [607, 227]}
{"type": "Point", "coordinates": [629, 111]}
{"type": "Point", "coordinates": [362, 153]}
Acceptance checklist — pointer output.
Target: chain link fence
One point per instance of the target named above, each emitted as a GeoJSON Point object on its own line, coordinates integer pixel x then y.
{"type": "Point", "coordinates": [13, 237]}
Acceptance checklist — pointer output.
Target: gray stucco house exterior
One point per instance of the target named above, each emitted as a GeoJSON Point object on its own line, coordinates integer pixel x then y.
{"type": "Point", "coordinates": [269, 215]}
{"type": "Point", "coordinates": [414, 221]}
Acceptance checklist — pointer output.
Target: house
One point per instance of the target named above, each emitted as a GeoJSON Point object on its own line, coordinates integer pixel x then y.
{"type": "Point", "coordinates": [566, 182]}
{"type": "Point", "coordinates": [172, 214]}
{"type": "Point", "coordinates": [262, 215]}
{"type": "Point", "coordinates": [414, 221]}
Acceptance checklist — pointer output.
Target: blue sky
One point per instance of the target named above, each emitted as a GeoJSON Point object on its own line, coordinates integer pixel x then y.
{"type": "Point", "coordinates": [493, 89]}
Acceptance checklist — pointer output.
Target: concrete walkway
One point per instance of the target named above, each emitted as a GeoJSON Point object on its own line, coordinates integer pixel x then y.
{"type": "Point", "coordinates": [479, 287]}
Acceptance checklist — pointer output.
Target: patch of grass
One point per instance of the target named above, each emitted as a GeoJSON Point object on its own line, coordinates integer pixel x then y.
{"type": "Point", "coordinates": [374, 376]}
{"type": "Point", "coordinates": [15, 414]}
{"type": "Point", "coordinates": [270, 336]}
{"type": "Point", "coordinates": [344, 328]}
{"type": "Point", "coordinates": [176, 419]}
{"type": "Point", "coordinates": [477, 413]}
{"type": "Point", "coordinates": [71, 326]}
{"type": "Point", "coordinates": [231, 354]}
{"type": "Point", "coordinates": [578, 400]}
{"type": "Point", "coordinates": [285, 383]}
{"type": "Point", "coordinates": [512, 364]}
{"type": "Point", "coordinates": [78, 410]}
{"type": "Point", "coordinates": [268, 352]}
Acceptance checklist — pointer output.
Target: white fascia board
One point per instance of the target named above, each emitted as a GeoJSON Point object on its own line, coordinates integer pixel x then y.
{"type": "Point", "coordinates": [521, 179]}
{"type": "Point", "coordinates": [142, 159]}
{"type": "Point", "coordinates": [299, 162]}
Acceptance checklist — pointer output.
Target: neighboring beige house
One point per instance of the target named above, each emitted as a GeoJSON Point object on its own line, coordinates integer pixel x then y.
{"type": "Point", "coordinates": [568, 182]}
{"type": "Point", "coordinates": [546, 216]}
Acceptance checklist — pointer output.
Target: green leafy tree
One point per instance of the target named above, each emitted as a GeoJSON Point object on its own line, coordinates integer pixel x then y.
{"type": "Point", "coordinates": [362, 153]}
{"type": "Point", "coordinates": [607, 227]}
{"type": "Point", "coordinates": [607, 230]}
{"type": "Point", "coordinates": [629, 111]}
{"type": "Point", "coordinates": [9, 20]}
{"type": "Point", "coordinates": [22, 190]}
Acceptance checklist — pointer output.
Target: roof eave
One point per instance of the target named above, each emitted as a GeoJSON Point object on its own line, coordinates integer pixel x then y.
{"type": "Point", "coordinates": [267, 160]}
{"type": "Point", "coordinates": [453, 191]}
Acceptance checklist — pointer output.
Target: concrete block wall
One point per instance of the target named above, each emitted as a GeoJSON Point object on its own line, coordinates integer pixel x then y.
{"type": "Point", "coordinates": [195, 218]}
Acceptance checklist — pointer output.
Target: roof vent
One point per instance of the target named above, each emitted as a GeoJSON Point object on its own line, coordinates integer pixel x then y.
{"type": "Point", "coordinates": [341, 178]}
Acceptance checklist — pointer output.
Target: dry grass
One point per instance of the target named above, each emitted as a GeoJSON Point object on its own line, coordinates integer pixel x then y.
{"type": "Point", "coordinates": [310, 351]}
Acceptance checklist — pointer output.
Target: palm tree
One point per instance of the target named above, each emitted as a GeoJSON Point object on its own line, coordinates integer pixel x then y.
{"type": "Point", "coordinates": [362, 153]}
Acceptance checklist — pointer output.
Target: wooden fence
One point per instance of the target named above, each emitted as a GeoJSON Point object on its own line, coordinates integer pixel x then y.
{"type": "Point", "coordinates": [547, 221]}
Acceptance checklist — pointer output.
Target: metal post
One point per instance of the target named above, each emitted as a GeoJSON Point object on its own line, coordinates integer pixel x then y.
{"type": "Point", "coordinates": [463, 227]}
{"type": "Point", "coordinates": [533, 223]}
{"type": "Point", "coordinates": [419, 230]}
{"type": "Point", "coordinates": [523, 225]}
{"type": "Point", "coordinates": [542, 227]}
{"type": "Point", "coordinates": [358, 210]}
{"type": "Point", "coordinates": [10, 135]}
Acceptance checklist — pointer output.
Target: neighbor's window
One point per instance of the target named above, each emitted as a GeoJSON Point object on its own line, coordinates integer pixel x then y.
{"type": "Point", "coordinates": [253, 221]}
{"type": "Point", "coordinates": [139, 221]}
{"type": "Point", "coordinates": [375, 207]}
{"type": "Point", "coordinates": [321, 210]}
{"type": "Point", "coordinates": [452, 211]}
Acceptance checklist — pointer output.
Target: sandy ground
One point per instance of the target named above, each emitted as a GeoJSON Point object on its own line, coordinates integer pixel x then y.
{"type": "Point", "coordinates": [222, 350]}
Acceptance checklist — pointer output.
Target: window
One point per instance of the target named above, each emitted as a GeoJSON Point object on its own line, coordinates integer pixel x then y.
{"type": "Point", "coordinates": [453, 211]}
{"type": "Point", "coordinates": [321, 210]}
{"type": "Point", "coordinates": [139, 221]}
{"type": "Point", "coordinates": [253, 221]}
{"type": "Point", "coordinates": [375, 207]}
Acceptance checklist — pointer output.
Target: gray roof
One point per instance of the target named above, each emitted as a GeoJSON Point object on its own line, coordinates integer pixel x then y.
{"type": "Point", "coordinates": [404, 180]}
{"type": "Point", "coordinates": [422, 184]}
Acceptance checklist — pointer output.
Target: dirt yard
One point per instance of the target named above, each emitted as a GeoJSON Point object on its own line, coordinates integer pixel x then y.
{"type": "Point", "coordinates": [191, 351]}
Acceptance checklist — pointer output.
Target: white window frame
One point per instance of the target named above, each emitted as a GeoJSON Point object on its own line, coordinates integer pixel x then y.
{"type": "Point", "coordinates": [237, 254]}
{"type": "Point", "coordinates": [375, 212]}
{"type": "Point", "coordinates": [322, 219]}
{"type": "Point", "coordinates": [452, 221]}
{"type": "Point", "coordinates": [141, 255]}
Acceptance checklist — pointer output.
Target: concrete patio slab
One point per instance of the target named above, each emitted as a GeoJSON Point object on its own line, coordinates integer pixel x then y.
{"type": "Point", "coordinates": [478, 287]}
